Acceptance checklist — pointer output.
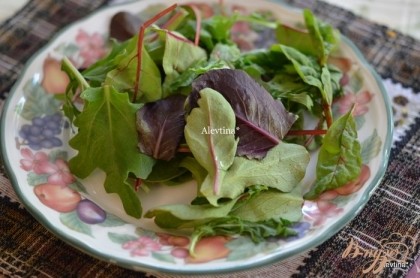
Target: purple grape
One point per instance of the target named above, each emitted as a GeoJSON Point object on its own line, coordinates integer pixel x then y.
{"type": "Point", "coordinates": [56, 117]}
{"type": "Point", "coordinates": [56, 142]}
{"type": "Point", "coordinates": [47, 144]}
{"type": "Point", "coordinates": [37, 121]}
{"type": "Point", "coordinates": [89, 212]}
{"type": "Point", "coordinates": [34, 146]}
{"type": "Point", "coordinates": [42, 131]}
{"type": "Point", "coordinates": [35, 130]}
{"type": "Point", "coordinates": [25, 129]}
{"type": "Point", "coordinates": [56, 131]}
{"type": "Point", "coordinates": [34, 139]}
{"type": "Point", "coordinates": [48, 133]}
{"type": "Point", "coordinates": [52, 125]}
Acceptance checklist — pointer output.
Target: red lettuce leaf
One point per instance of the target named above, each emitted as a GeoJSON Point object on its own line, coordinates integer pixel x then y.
{"type": "Point", "coordinates": [261, 120]}
{"type": "Point", "coordinates": [160, 126]}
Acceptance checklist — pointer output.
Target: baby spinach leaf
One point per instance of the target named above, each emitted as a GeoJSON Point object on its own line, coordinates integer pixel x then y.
{"type": "Point", "coordinates": [160, 126]}
{"type": "Point", "coordinates": [291, 88]}
{"type": "Point", "coordinates": [123, 76]}
{"type": "Point", "coordinates": [182, 216]}
{"type": "Point", "coordinates": [296, 38]}
{"type": "Point", "coordinates": [219, 27]}
{"type": "Point", "coordinates": [97, 72]}
{"type": "Point", "coordinates": [270, 204]}
{"type": "Point", "coordinates": [185, 79]}
{"type": "Point", "coordinates": [261, 120]}
{"type": "Point", "coordinates": [232, 225]}
{"type": "Point", "coordinates": [309, 70]}
{"type": "Point", "coordinates": [340, 159]}
{"type": "Point", "coordinates": [179, 55]}
{"type": "Point", "coordinates": [107, 140]}
{"type": "Point", "coordinates": [77, 83]}
{"type": "Point", "coordinates": [324, 37]}
{"type": "Point", "coordinates": [197, 171]}
{"type": "Point", "coordinates": [282, 169]}
{"type": "Point", "coordinates": [209, 133]}
{"type": "Point", "coordinates": [164, 171]}
{"type": "Point", "coordinates": [225, 53]}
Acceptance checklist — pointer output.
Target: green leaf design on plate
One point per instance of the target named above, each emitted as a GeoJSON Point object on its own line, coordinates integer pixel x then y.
{"type": "Point", "coordinates": [67, 49]}
{"type": "Point", "coordinates": [34, 179]}
{"type": "Point", "coordinates": [371, 147]}
{"type": "Point", "coordinates": [163, 257]}
{"type": "Point", "coordinates": [37, 101]}
{"type": "Point", "coordinates": [244, 248]}
{"type": "Point", "coordinates": [112, 221]}
{"type": "Point", "coordinates": [120, 238]}
{"type": "Point", "coordinates": [73, 222]}
{"type": "Point", "coordinates": [144, 232]}
{"type": "Point", "coordinates": [78, 186]}
{"type": "Point", "coordinates": [58, 154]}
{"type": "Point", "coordinates": [356, 82]}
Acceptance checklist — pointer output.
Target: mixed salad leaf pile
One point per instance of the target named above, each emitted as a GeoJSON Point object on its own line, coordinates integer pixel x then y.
{"type": "Point", "coordinates": [181, 100]}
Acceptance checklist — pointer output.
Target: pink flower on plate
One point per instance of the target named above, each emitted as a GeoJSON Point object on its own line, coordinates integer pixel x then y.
{"type": "Point", "coordinates": [33, 161]}
{"type": "Point", "coordinates": [92, 47]}
{"type": "Point", "coordinates": [142, 246]}
{"type": "Point", "coordinates": [59, 172]}
{"type": "Point", "coordinates": [360, 100]}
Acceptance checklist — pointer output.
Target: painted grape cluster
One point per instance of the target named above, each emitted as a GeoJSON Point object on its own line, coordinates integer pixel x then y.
{"type": "Point", "coordinates": [43, 132]}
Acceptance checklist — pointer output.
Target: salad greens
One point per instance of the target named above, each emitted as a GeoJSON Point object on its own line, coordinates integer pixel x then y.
{"type": "Point", "coordinates": [257, 130]}
{"type": "Point", "coordinates": [220, 146]}
{"type": "Point", "coordinates": [184, 100]}
{"type": "Point", "coordinates": [160, 124]}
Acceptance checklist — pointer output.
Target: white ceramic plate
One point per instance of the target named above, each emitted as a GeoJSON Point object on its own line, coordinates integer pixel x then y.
{"type": "Point", "coordinates": [37, 172]}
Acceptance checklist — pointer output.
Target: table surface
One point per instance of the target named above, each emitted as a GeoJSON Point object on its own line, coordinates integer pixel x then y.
{"type": "Point", "coordinates": [396, 58]}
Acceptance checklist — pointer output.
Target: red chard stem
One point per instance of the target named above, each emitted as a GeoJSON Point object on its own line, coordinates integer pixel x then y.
{"type": "Point", "coordinates": [137, 184]}
{"type": "Point", "coordinates": [306, 132]}
{"type": "Point", "coordinates": [327, 113]}
{"type": "Point", "coordinates": [140, 44]}
{"type": "Point", "coordinates": [197, 14]}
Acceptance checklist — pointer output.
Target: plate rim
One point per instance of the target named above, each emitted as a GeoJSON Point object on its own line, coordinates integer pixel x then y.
{"type": "Point", "coordinates": [149, 268]}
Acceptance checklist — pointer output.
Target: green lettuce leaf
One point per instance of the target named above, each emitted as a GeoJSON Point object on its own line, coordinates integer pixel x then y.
{"type": "Point", "coordinates": [181, 216]}
{"type": "Point", "coordinates": [309, 70]}
{"type": "Point", "coordinates": [270, 204]}
{"type": "Point", "coordinates": [282, 169]}
{"type": "Point", "coordinates": [340, 159]}
{"type": "Point", "coordinates": [107, 140]}
{"type": "Point", "coordinates": [179, 55]}
{"type": "Point", "coordinates": [209, 135]}
{"type": "Point", "coordinates": [324, 37]}
{"type": "Point", "coordinates": [124, 74]}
